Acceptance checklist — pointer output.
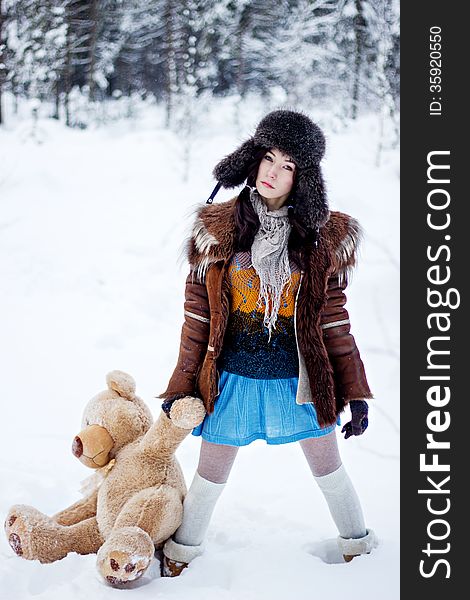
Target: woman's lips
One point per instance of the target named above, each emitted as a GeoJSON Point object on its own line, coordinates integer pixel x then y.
{"type": "Point", "coordinates": [267, 184]}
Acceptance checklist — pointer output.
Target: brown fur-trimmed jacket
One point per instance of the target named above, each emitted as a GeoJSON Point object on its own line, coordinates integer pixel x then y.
{"type": "Point", "coordinates": [331, 372]}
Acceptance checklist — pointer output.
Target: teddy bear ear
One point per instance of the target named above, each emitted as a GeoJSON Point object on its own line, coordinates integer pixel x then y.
{"type": "Point", "coordinates": [122, 383]}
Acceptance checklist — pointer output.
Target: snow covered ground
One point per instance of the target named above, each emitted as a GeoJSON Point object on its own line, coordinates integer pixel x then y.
{"type": "Point", "coordinates": [91, 230]}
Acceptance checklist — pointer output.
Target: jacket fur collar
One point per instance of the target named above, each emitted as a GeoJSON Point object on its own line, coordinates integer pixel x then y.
{"type": "Point", "coordinates": [213, 234]}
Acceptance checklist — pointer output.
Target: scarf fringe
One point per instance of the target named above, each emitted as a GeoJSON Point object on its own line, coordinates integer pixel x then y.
{"type": "Point", "coordinates": [270, 257]}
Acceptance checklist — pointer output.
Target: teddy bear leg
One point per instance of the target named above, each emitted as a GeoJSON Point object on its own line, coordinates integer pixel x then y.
{"type": "Point", "coordinates": [146, 520]}
{"type": "Point", "coordinates": [35, 536]}
{"type": "Point", "coordinates": [79, 511]}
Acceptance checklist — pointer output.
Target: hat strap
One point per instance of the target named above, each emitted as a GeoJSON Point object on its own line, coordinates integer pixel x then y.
{"type": "Point", "coordinates": [213, 194]}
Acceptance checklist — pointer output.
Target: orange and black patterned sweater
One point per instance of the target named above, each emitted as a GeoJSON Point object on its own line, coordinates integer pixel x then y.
{"type": "Point", "coordinates": [246, 349]}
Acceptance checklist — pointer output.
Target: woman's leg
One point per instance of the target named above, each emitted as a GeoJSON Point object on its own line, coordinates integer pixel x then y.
{"type": "Point", "coordinates": [215, 464]}
{"type": "Point", "coordinates": [323, 457]}
{"type": "Point", "coordinates": [216, 461]}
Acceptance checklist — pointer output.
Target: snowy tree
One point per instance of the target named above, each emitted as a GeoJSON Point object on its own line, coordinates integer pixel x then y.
{"type": "Point", "coordinates": [279, 42]}
{"type": "Point", "coordinates": [36, 38]}
{"type": "Point", "coordinates": [186, 51]}
{"type": "Point", "coordinates": [3, 52]}
{"type": "Point", "coordinates": [83, 19]}
{"type": "Point", "coordinates": [106, 39]}
{"type": "Point", "coordinates": [147, 39]}
{"type": "Point", "coordinates": [383, 16]}
{"type": "Point", "coordinates": [360, 25]}
{"type": "Point", "coordinates": [367, 40]}
{"type": "Point", "coordinates": [195, 69]}
{"type": "Point", "coordinates": [301, 48]}
{"type": "Point", "coordinates": [174, 41]}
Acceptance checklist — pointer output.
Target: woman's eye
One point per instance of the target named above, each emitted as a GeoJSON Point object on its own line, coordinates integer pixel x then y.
{"type": "Point", "coordinates": [268, 158]}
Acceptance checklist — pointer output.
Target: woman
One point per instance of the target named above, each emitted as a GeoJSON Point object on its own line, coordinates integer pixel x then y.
{"type": "Point", "coordinates": [266, 340]}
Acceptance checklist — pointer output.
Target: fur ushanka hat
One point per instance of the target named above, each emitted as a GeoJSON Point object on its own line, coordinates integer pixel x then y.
{"type": "Point", "coordinates": [298, 136]}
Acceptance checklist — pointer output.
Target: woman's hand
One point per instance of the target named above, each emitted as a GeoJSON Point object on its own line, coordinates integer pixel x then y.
{"type": "Point", "coordinates": [359, 419]}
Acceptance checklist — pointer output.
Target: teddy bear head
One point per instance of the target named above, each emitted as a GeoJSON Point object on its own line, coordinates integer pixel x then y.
{"type": "Point", "coordinates": [111, 420]}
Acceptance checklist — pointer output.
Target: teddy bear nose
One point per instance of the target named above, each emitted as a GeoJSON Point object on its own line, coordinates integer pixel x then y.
{"type": "Point", "coordinates": [77, 447]}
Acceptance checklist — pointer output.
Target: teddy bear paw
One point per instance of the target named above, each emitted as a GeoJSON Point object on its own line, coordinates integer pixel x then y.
{"type": "Point", "coordinates": [13, 538]}
{"type": "Point", "coordinates": [20, 525]}
{"type": "Point", "coordinates": [122, 567]}
{"type": "Point", "coordinates": [187, 412]}
{"type": "Point", "coordinates": [125, 556]}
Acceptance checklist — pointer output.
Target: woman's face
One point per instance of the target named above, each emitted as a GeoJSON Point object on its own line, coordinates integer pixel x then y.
{"type": "Point", "coordinates": [275, 178]}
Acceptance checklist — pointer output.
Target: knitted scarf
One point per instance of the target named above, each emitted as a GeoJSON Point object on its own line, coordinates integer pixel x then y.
{"type": "Point", "coordinates": [270, 257]}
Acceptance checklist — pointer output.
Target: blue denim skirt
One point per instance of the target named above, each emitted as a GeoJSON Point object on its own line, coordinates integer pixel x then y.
{"type": "Point", "coordinates": [250, 409]}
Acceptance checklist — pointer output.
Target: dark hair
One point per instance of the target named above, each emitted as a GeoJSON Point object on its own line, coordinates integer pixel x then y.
{"type": "Point", "coordinates": [247, 221]}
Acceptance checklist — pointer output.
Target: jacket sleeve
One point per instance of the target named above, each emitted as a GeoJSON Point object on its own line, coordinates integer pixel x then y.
{"type": "Point", "coordinates": [194, 340]}
{"type": "Point", "coordinates": [349, 374]}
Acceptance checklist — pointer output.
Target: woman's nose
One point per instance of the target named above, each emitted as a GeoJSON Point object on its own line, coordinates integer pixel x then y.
{"type": "Point", "coordinates": [272, 171]}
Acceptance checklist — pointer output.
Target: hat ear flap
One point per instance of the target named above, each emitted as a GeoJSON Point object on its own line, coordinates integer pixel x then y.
{"type": "Point", "coordinates": [233, 169]}
{"type": "Point", "coordinates": [311, 204]}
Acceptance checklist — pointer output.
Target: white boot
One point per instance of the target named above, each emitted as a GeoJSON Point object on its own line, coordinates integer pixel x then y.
{"type": "Point", "coordinates": [187, 542]}
{"type": "Point", "coordinates": [351, 547]}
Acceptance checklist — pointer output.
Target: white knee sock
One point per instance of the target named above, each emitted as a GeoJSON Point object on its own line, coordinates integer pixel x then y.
{"type": "Point", "coordinates": [343, 503]}
{"type": "Point", "coordinates": [198, 507]}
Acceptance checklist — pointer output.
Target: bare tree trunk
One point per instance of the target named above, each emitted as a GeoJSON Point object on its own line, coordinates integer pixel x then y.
{"type": "Point", "coordinates": [93, 40]}
{"type": "Point", "coordinates": [170, 59]}
{"type": "Point", "coordinates": [2, 59]}
{"type": "Point", "coordinates": [14, 91]}
{"type": "Point", "coordinates": [240, 79]}
{"type": "Point", "coordinates": [56, 114]}
{"type": "Point", "coordinates": [1, 101]}
{"type": "Point", "coordinates": [68, 74]}
{"type": "Point", "coordinates": [359, 28]}
{"type": "Point", "coordinates": [240, 51]}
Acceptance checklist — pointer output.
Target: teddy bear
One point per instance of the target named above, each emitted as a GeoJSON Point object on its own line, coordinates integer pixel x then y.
{"type": "Point", "coordinates": [134, 501]}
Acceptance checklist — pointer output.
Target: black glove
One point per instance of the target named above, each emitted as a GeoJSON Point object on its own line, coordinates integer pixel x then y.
{"type": "Point", "coordinates": [359, 420]}
{"type": "Point", "coordinates": [166, 407]}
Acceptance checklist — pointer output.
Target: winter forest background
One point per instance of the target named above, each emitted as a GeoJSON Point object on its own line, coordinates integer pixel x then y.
{"type": "Point", "coordinates": [76, 55]}
{"type": "Point", "coordinates": [112, 116]}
